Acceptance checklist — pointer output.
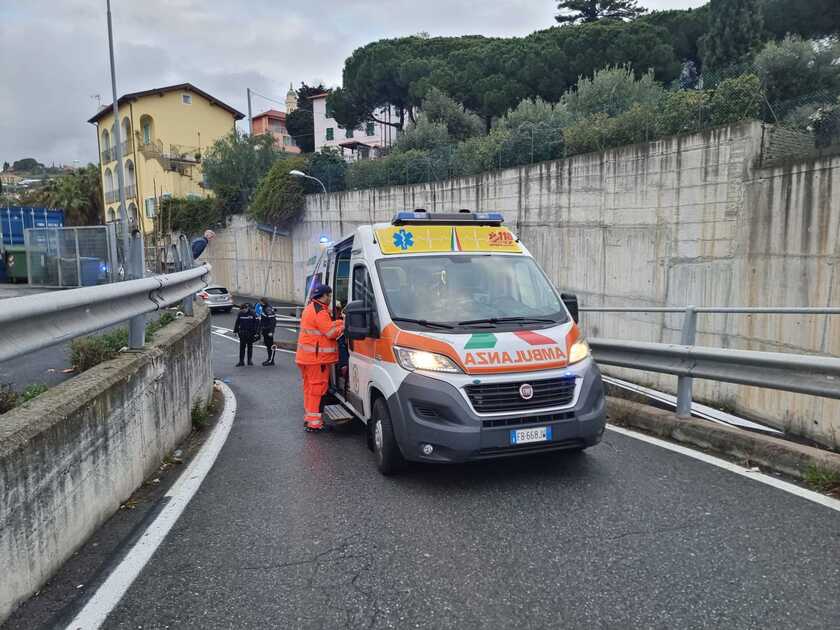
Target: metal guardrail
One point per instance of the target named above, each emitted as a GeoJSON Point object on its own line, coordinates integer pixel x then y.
{"type": "Point", "coordinates": [32, 323]}
{"type": "Point", "coordinates": [805, 374]}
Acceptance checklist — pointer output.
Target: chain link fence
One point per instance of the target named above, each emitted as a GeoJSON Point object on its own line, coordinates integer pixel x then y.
{"type": "Point", "coordinates": [71, 257]}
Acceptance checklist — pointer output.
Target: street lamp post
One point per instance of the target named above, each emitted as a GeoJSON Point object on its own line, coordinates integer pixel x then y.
{"type": "Point", "coordinates": [132, 246]}
{"type": "Point", "coordinates": [305, 176]}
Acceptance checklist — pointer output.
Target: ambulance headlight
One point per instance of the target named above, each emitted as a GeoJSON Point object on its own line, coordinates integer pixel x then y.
{"type": "Point", "coordinates": [579, 352]}
{"type": "Point", "coordinates": [413, 360]}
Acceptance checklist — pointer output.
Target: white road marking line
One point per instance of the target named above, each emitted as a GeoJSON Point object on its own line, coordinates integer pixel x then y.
{"type": "Point", "coordinates": [769, 480]}
{"type": "Point", "coordinates": [111, 591]}
{"type": "Point", "coordinates": [223, 336]}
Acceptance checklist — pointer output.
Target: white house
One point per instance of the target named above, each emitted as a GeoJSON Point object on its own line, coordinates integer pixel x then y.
{"type": "Point", "coordinates": [365, 142]}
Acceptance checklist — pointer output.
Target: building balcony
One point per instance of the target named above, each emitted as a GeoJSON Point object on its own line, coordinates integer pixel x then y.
{"type": "Point", "coordinates": [151, 149]}
{"type": "Point", "coordinates": [109, 155]}
{"type": "Point", "coordinates": [113, 196]}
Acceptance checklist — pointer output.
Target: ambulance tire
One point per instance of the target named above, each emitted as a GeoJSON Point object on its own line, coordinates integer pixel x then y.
{"type": "Point", "coordinates": [389, 459]}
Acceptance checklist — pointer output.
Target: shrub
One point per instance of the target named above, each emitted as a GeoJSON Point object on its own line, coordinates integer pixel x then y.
{"type": "Point", "coordinates": [438, 107]}
{"type": "Point", "coordinates": [33, 391]}
{"type": "Point", "coordinates": [200, 416]}
{"type": "Point", "coordinates": [279, 196]}
{"type": "Point", "coordinates": [685, 111]}
{"type": "Point", "coordinates": [406, 167]}
{"type": "Point", "coordinates": [825, 123]}
{"type": "Point", "coordinates": [8, 398]}
{"type": "Point", "coordinates": [480, 154]}
{"type": "Point", "coordinates": [190, 216]}
{"type": "Point", "coordinates": [795, 66]}
{"type": "Point", "coordinates": [87, 352]}
{"type": "Point", "coordinates": [153, 327]}
{"type": "Point", "coordinates": [736, 99]}
{"type": "Point", "coordinates": [423, 136]}
{"type": "Point", "coordinates": [328, 166]}
{"type": "Point", "coordinates": [612, 91]}
{"type": "Point", "coordinates": [589, 134]}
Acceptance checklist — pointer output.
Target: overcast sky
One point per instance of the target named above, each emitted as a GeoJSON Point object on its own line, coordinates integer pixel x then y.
{"type": "Point", "coordinates": [55, 52]}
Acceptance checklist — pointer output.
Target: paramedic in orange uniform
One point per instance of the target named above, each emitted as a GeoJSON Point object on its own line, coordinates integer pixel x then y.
{"type": "Point", "coordinates": [317, 350]}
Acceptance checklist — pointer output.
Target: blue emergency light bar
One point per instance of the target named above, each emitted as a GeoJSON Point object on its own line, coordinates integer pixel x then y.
{"type": "Point", "coordinates": [465, 217]}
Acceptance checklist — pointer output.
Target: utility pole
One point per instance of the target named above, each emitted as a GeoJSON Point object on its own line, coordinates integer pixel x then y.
{"type": "Point", "coordinates": [250, 118]}
{"type": "Point", "coordinates": [132, 245]}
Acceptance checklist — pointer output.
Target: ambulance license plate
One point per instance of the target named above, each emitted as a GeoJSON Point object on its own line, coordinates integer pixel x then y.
{"type": "Point", "coordinates": [529, 436]}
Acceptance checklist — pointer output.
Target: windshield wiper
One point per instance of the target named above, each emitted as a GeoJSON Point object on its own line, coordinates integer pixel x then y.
{"type": "Point", "coordinates": [504, 320]}
{"type": "Point", "coordinates": [422, 322]}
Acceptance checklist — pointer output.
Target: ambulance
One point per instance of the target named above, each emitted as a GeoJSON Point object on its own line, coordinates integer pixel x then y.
{"type": "Point", "coordinates": [457, 347]}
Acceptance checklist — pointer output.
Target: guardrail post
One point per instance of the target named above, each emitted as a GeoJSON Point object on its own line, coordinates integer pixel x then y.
{"type": "Point", "coordinates": [685, 383]}
{"type": "Point", "coordinates": [186, 260]}
{"type": "Point", "coordinates": [137, 324]}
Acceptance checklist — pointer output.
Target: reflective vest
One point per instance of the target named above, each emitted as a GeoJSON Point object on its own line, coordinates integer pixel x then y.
{"type": "Point", "coordinates": [317, 343]}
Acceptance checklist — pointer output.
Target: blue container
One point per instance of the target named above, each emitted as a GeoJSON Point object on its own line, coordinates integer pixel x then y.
{"type": "Point", "coordinates": [14, 220]}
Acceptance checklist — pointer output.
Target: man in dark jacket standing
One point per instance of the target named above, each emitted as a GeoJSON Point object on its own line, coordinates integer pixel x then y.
{"type": "Point", "coordinates": [199, 244]}
{"type": "Point", "coordinates": [246, 328]}
{"type": "Point", "coordinates": [268, 322]}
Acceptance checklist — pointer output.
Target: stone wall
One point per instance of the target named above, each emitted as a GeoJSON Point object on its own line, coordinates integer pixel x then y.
{"type": "Point", "coordinates": [684, 220]}
{"type": "Point", "coordinates": [69, 458]}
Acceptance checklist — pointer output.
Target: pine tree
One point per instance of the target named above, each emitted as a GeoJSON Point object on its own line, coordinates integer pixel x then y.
{"type": "Point", "coordinates": [574, 11]}
{"type": "Point", "coordinates": [735, 29]}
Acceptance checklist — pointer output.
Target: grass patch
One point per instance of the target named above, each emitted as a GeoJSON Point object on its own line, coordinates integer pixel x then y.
{"type": "Point", "coordinates": [200, 416]}
{"type": "Point", "coordinates": [33, 391]}
{"type": "Point", "coordinates": [202, 412]}
{"type": "Point", "coordinates": [87, 352]}
{"type": "Point", "coordinates": [822, 480]}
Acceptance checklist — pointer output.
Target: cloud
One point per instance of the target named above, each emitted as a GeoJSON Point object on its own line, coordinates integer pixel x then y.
{"type": "Point", "coordinates": [55, 52]}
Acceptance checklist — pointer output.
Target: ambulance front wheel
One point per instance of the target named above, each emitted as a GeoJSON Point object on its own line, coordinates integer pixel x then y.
{"type": "Point", "coordinates": [389, 459]}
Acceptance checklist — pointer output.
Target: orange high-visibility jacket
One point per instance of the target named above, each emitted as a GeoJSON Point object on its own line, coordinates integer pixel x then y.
{"type": "Point", "coordinates": [317, 343]}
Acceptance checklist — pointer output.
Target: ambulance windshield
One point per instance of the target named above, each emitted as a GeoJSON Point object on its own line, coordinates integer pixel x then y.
{"type": "Point", "coordinates": [469, 291]}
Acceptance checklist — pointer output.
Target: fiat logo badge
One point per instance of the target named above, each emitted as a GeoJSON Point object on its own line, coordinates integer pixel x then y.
{"type": "Point", "coordinates": [526, 392]}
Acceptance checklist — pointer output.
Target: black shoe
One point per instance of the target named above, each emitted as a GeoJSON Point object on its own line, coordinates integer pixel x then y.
{"type": "Point", "coordinates": [264, 363]}
{"type": "Point", "coordinates": [240, 365]}
{"type": "Point", "coordinates": [250, 363]}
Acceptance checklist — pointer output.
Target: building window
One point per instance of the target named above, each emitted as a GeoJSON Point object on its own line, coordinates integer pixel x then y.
{"type": "Point", "coordinates": [151, 206]}
{"type": "Point", "coordinates": [330, 133]}
{"type": "Point", "coordinates": [186, 99]}
{"type": "Point", "coordinates": [348, 133]}
{"type": "Point", "coordinates": [370, 129]}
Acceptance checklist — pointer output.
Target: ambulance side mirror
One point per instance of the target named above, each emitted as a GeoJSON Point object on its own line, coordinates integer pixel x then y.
{"type": "Point", "coordinates": [571, 302]}
{"type": "Point", "coordinates": [357, 320]}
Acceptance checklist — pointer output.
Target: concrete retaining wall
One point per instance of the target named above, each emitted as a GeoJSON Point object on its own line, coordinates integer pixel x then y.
{"type": "Point", "coordinates": [684, 220]}
{"type": "Point", "coordinates": [70, 457]}
{"type": "Point", "coordinates": [250, 261]}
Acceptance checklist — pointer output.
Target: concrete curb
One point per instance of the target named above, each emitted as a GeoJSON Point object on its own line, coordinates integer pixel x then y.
{"type": "Point", "coordinates": [764, 451]}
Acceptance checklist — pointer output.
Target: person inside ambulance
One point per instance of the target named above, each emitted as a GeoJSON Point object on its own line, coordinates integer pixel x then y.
{"type": "Point", "coordinates": [317, 350]}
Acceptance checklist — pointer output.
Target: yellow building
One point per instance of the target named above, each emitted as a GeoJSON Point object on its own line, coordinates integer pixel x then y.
{"type": "Point", "coordinates": [163, 133]}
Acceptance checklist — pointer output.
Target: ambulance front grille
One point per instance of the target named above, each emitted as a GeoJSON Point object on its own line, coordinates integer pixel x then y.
{"type": "Point", "coordinates": [502, 397]}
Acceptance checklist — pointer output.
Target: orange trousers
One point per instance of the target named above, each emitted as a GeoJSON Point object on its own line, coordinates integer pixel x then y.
{"type": "Point", "coordinates": [315, 382]}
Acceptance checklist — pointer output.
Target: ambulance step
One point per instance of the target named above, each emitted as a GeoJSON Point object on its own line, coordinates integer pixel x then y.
{"type": "Point", "coordinates": [337, 413]}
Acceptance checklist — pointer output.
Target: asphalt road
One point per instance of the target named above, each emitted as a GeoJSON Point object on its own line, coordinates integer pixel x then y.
{"type": "Point", "coordinates": [293, 530]}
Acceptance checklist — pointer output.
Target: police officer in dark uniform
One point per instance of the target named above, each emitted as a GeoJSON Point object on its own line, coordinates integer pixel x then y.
{"type": "Point", "coordinates": [246, 328]}
{"type": "Point", "coordinates": [268, 322]}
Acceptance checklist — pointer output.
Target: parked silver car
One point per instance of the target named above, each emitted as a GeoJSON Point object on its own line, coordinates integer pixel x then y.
{"type": "Point", "coordinates": [217, 298]}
